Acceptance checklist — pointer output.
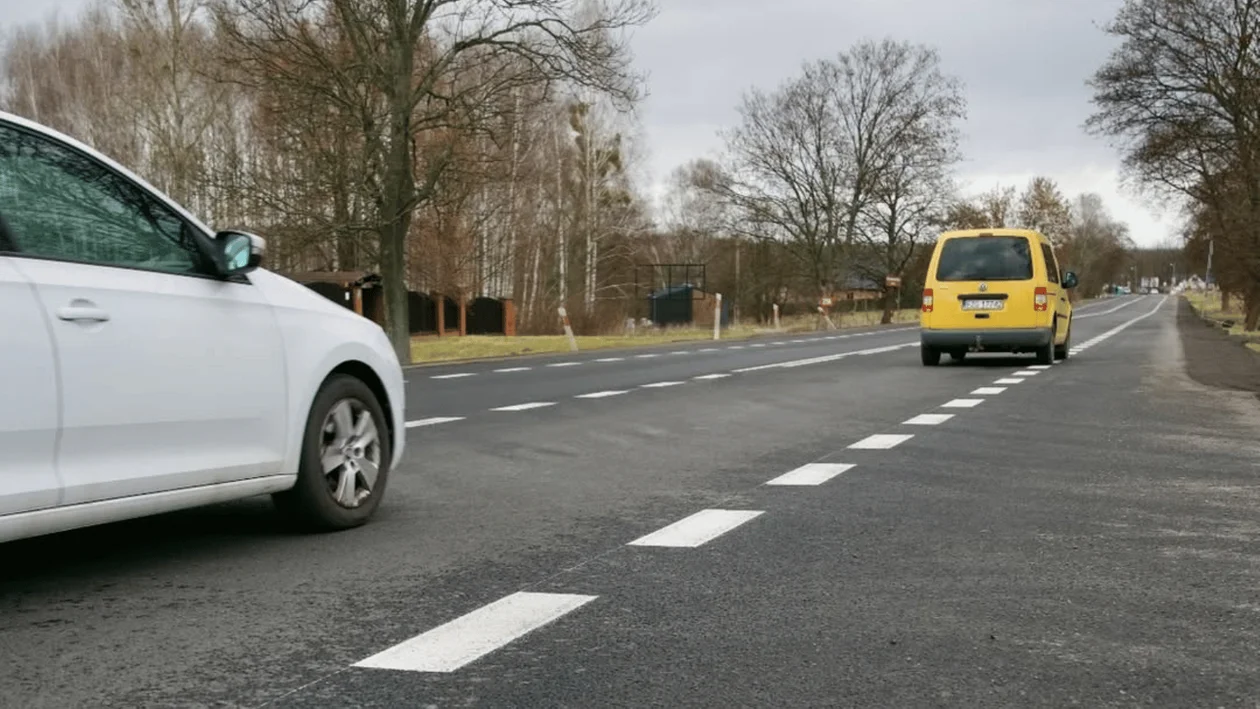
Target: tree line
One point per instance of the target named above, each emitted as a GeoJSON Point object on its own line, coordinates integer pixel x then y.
{"type": "Point", "coordinates": [489, 147]}
{"type": "Point", "coordinates": [1180, 96]}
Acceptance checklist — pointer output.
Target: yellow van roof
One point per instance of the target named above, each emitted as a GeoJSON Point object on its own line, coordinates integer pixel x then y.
{"type": "Point", "coordinates": [1030, 233]}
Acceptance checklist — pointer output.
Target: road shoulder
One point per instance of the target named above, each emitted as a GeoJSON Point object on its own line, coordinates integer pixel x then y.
{"type": "Point", "coordinates": [1212, 357]}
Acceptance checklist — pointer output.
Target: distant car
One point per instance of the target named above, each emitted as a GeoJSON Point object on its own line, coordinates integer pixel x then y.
{"type": "Point", "coordinates": [149, 365]}
{"type": "Point", "coordinates": [995, 290]}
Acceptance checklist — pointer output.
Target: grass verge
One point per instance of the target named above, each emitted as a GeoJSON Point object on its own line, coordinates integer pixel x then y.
{"type": "Point", "coordinates": [426, 350]}
{"type": "Point", "coordinates": [1208, 306]}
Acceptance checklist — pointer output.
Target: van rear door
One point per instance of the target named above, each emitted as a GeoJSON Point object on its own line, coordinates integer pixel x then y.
{"type": "Point", "coordinates": [985, 281]}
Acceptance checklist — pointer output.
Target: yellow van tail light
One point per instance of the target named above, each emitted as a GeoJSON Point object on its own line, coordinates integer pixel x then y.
{"type": "Point", "coordinates": [927, 300]}
{"type": "Point", "coordinates": [1041, 299]}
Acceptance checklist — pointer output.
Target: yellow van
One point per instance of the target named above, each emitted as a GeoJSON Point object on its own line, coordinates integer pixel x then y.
{"type": "Point", "coordinates": [995, 290]}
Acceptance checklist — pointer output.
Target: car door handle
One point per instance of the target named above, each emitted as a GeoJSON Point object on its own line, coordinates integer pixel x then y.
{"type": "Point", "coordinates": [82, 312]}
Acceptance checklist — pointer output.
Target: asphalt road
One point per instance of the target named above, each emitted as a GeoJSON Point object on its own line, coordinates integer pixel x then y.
{"type": "Point", "coordinates": [1080, 537]}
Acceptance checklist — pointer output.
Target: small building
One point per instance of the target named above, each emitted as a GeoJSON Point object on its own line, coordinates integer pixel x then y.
{"type": "Point", "coordinates": [685, 305]}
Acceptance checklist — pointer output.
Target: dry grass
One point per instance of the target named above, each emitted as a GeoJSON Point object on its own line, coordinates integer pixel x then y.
{"type": "Point", "coordinates": [446, 349]}
{"type": "Point", "coordinates": [1209, 306]}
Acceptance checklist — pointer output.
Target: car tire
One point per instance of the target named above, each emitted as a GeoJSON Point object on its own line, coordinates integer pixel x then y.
{"type": "Point", "coordinates": [930, 356]}
{"type": "Point", "coordinates": [1061, 351]}
{"type": "Point", "coordinates": [1045, 353]}
{"type": "Point", "coordinates": [958, 356]}
{"type": "Point", "coordinates": [336, 430]}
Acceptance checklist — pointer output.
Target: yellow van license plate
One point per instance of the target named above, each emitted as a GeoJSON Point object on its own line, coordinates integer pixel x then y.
{"type": "Point", "coordinates": [982, 305]}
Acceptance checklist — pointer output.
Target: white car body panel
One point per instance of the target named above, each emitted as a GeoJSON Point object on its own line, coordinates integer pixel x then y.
{"type": "Point", "coordinates": [183, 386]}
{"type": "Point", "coordinates": [191, 431]}
{"type": "Point", "coordinates": [29, 416]}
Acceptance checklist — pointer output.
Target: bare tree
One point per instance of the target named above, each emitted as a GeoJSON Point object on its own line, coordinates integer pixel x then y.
{"type": "Point", "coordinates": [1043, 207]}
{"type": "Point", "coordinates": [1181, 95]}
{"type": "Point", "coordinates": [394, 67]}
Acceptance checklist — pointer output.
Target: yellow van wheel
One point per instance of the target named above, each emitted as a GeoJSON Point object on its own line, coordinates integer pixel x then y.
{"type": "Point", "coordinates": [930, 355]}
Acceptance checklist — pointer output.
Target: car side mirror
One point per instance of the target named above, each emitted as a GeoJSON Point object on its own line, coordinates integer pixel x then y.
{"type": "Point", "coordinates": [242, 252]}
{"type": "Point", "coordinates": [1069, 280]}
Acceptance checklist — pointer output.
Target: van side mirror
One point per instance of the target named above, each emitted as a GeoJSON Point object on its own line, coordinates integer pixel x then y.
{"type": "Point", "coordinates": [241, 251]}
{"type": "Point", "coordinates": [1069, 280]}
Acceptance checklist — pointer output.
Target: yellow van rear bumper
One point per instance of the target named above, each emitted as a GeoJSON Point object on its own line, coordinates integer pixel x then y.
{"type": "Point", "coordinates": [992, 339]}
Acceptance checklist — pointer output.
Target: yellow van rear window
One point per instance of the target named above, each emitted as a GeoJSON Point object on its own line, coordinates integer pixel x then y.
{"type": "Point", "coordinates": [985, 258]}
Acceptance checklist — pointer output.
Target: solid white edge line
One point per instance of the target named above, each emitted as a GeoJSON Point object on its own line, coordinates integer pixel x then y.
{"type": "Point", "coordinates": [433, 421]}
{"type": "Point", "coordinates": [811, 474]}
{"type": "Point", "coordinates": [928, 419]}
{"type": "Point", "coordinates": [525, 407]}
{"type": "Point", "coordinates": [469, 637]}
{"type": "Point", "coordinates": [882, 441]}
{"type": "Point", "coordinates": [697, 529]}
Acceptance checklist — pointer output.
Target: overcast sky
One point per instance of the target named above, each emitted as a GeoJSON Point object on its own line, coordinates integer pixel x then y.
{"type": "Point", "coordinates": [1024, 64]}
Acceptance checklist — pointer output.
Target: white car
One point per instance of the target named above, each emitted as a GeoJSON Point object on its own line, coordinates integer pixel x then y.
{"type": "Point", "coordinates": [148, 364]}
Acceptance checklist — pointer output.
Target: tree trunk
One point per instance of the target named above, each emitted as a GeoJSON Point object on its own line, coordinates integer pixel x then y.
{"type": "Point", "coordinates": [890, 305]}
{"type": "Point", "coordinates": [1224, 300]}
{"type": "Point", "coordinates": [1251, 309]}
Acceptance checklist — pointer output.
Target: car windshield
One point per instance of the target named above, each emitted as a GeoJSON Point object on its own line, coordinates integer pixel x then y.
{"type": "Point", "coordinates": [985, 258]}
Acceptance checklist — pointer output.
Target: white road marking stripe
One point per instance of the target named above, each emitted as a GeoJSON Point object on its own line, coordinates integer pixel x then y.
{"type": "Point", "coordinates": [460, 375]}
{"type": "Point", "coordinates": [525, 407]}
{"type": "Point", "coordinates": [658, 385]}
{"type": "Point", "coordinates": [564, 364]}
{"type": "Point", "coordinates": [759, 344]}
{"type": "Point", "coordinates": [513, 369]}
{"type": "Point", "coordinates": [1008, 380]}
{"type": "Point", "coordinates": [647, 356]}
{"type": "Point", "coordinates": [962, 403]}
{"type": "Point", "coordinates": [780, 342]}
{"type": "Point", "coordinates": [1040, 366]}
{"type": "Point", "coordinates": [928, 419]}
{"type": "Point", "coordinates": [452, 645]}
{"type": "Point", "coordinates": [711, 376]}
{"type": "Point", "coordinates": [701, 527]}
{"type": "Point", "coordinates": [708, 349]}
{"type": "Point", "coordinates": [811, 474]}
{"type": "Point", "coordinates": [795, 342]}
{"type": "Point", "coordinates": [882, 441]}
{"type": "Point", "coordinates": [433, 421]}
{"type": "Point", "coordinates": [1025, 373]}
{"type": "Point", "coordinates": [602, 394]}
{"type": "Point", "coordinates": [825, 358]}
{"type": "Point", "coordinates": [611, 359]}
{"type": "Point", "coordinates": [735, 347]}
{"type": "Point", "coordinates": [988, 391]}
{"type": "Point", "coordinates": [680, 352]}
{"type": "Point", "coordinates": [1092, 314]}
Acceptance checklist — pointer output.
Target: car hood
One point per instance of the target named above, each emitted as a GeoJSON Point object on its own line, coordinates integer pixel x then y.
{"type": "Point", "coordinates": [286, 293]}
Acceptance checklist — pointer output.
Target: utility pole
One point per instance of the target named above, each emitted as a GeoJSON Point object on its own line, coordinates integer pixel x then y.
{"type": "Point", "coordinates": [1207, 277]}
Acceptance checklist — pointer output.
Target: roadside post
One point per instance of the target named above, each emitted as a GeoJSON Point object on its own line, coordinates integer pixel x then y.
{"type": "Point", "coordinates": [776, 316]}
{"type": "Point", "coordinates": [717, 316]}
{"type": "Point", "coordinates": [568, 329]}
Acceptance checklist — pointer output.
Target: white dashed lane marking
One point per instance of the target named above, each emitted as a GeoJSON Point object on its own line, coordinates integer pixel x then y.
{"type": "Point", "coordinates": [660, 385]}
{"type": "Point", "coordinates": [525, 407]}
{"type": "Point", "coordinates": [512, 369]}
{"type": "Point", "coordinates": [433, 421]}
{"type": "Point", "coordinates": [811, 474]}
{"type": "Point", "coordinates": [602, 394]}
{"type": "Point", "coordinates": [611, 359]}
{"type": "Point", "coordinates": [928, 419]}
{"type": "Point", "coordinates": [962, 403]}
{"type": "Point", "coordinates": [459, 375]}
{"type": "Point", "coordinates": [881, 441]}
{"type": "Point", "coordinates": [1025, 373]}
{"type": "Point", "coordinates": [453, 645]}
{"type": "Point", "coordinates": [564, 364]}
{"type": "Point", "coordinates": [1040, 366]}
{"type": "Point", "coordinates": [707, 377]}
{"type": "Point", "coordinates": [988, 391]}
{"type": "Point", "coordinates": [701, 527]}
{"type": "Point", "coordinates": [647, 356]}
{"type": "Point", "coordinates": [1008, 380]}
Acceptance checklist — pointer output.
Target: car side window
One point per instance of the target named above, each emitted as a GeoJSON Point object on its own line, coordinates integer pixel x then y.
{"type": "Point", "coordinates": [1052, 268]}
{"type": "Point", "coordinates": [60, 204]}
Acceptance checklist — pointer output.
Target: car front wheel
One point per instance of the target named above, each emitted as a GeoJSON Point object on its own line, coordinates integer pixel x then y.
{"type": "Point", "coordinates": [345, 458]}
